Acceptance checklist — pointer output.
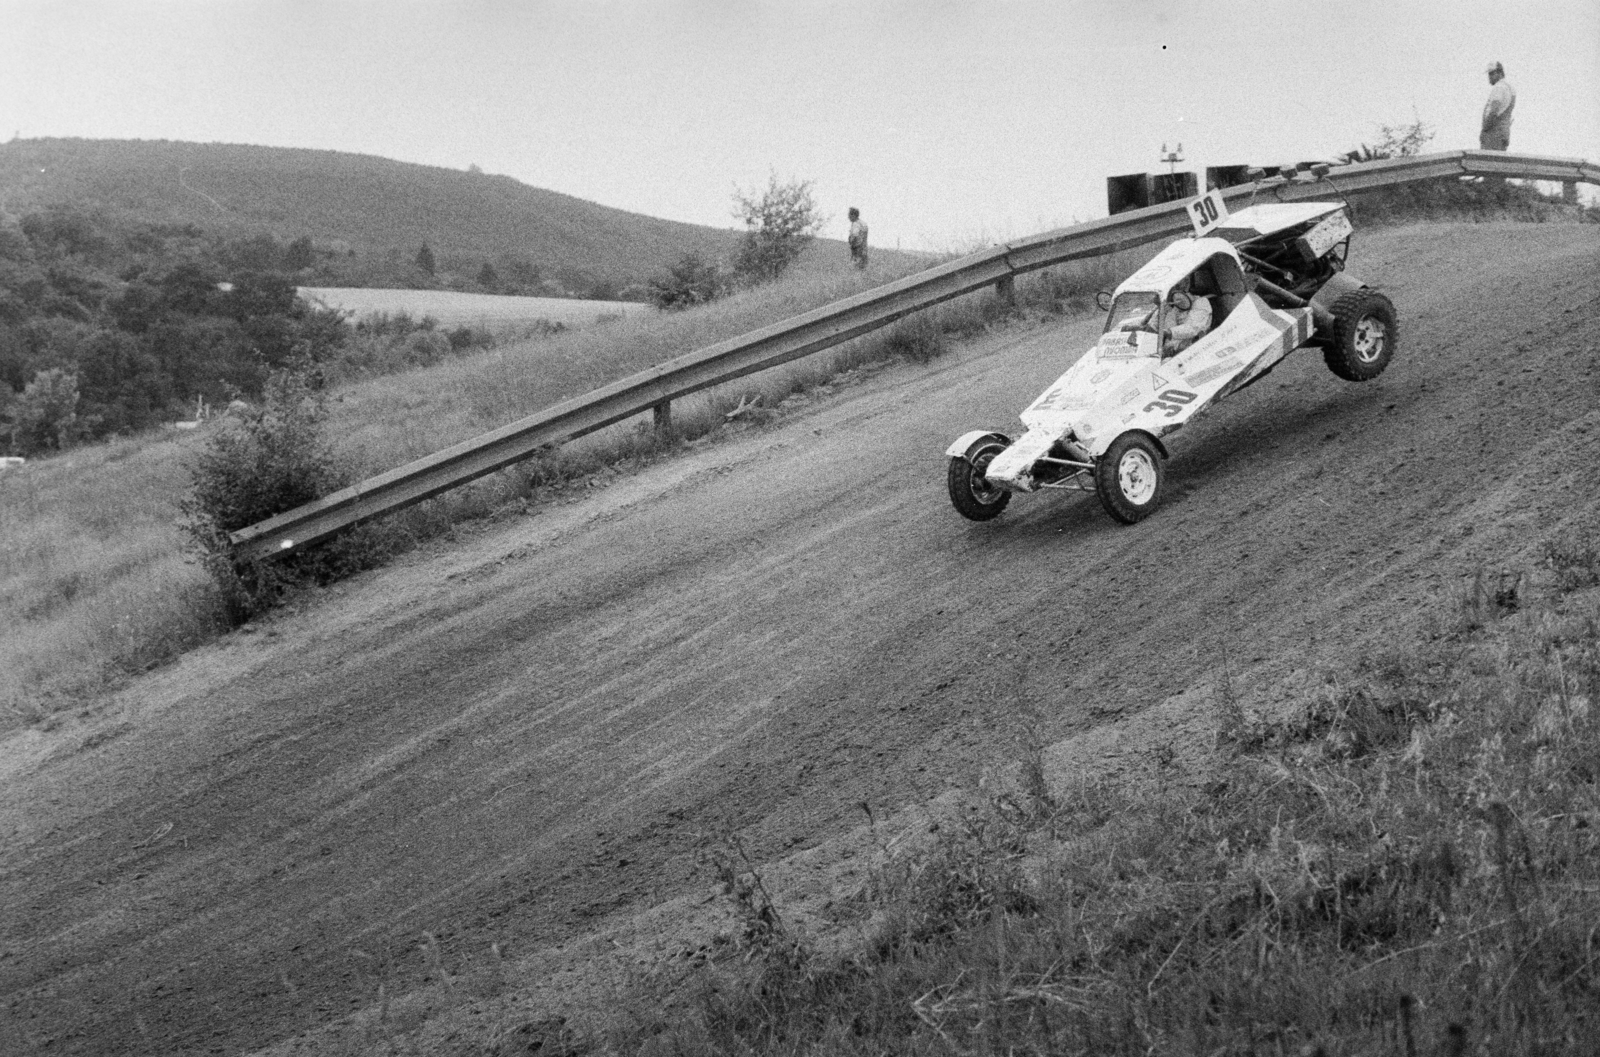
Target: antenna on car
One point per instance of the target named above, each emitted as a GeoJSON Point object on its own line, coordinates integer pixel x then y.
{"type": "Point", "coordinates": [1324, 171]}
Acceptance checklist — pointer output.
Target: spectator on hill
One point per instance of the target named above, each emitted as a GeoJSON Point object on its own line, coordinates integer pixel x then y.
{"type": "Point", "coordinates": [858, 238]}
{"type": "Point", "coordinates": [1496, 134]}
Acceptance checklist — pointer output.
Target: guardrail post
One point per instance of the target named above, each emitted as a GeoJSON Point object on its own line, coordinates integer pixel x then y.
{"type": "Point", "coordinates": [662, 414]}
{"type": "Point", "coordinates": [1006, 289]}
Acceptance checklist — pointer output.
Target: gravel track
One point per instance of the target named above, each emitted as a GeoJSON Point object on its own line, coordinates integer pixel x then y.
{"type": "Point", "coordinates": [520, 739]}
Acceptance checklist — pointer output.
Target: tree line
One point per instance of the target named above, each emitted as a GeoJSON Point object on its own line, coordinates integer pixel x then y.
{"type": "Point", "coordinates": [108, 329]}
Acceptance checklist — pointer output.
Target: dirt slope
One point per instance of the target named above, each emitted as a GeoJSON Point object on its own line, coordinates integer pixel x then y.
{"type": "Point", "coordinates": [518, 741]}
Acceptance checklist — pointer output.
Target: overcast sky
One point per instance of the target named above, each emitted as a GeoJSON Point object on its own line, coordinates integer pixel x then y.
{"type": "Point", "coordinates": [948, 122]}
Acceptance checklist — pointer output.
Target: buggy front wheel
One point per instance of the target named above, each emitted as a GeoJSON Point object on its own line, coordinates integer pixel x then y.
{"type": "Point", "coordinates": [970, 491]}
{"type": "Point", "coordinates": [1128, 478]}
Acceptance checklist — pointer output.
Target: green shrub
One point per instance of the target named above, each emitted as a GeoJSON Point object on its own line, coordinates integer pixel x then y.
{"type": "Point", "coordinates": [267, 460]}
{"type": "Point", "coordinates": [45, 414]}
{"type": "Point", "coordinates": [692, 281]}
{"type": "Point", "coordinates": [780, 222]}
{"type": "Point", "coordinates": [426, 348]}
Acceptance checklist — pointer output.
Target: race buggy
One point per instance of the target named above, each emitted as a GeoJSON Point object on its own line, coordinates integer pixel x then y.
{"type": "Point", "coordinates": [1274, 281]}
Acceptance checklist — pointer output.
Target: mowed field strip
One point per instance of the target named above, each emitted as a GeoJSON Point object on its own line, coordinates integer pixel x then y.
{"type": "Point", "coordinates": [454, 308]}
{"type": "Point", "coordinates": [509, 745]}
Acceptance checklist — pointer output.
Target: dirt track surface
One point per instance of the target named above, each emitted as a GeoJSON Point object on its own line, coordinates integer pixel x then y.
{"type": "Point", "coordinates": [522, 739]}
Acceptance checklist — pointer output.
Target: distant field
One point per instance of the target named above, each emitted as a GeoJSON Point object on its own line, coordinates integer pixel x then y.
{"type": "Point", "coordinates": [452, 308]}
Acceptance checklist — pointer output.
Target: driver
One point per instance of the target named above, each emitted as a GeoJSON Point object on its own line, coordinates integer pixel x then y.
{"type": "Point", "coordinates": [1190, 316]}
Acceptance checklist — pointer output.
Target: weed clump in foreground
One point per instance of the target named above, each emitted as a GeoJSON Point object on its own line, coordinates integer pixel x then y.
{"type": "Point", "coordinates": [1409, 866]}
{"type": "Point", "coordinates": [269, 459]}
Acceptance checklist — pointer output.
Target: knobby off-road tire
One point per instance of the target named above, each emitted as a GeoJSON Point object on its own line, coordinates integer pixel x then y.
{"type": "Point", "coordinates": [970, 492]}
{"type": "Point", "coordinates": [1128, 478]}
{"type": "Point", "coordinates": [1365, 334]}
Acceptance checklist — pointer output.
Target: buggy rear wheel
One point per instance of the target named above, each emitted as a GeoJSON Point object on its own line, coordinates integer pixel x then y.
{"type": "Point", "coordinates": [1365, 333]}
{"type": "Point", "coordinates": [970, 491]}
{"type": "Point", "coordinates": [1128, 478]}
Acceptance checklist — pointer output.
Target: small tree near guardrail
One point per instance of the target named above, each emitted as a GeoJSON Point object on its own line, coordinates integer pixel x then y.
{"type": "Point", "coordinates": [780, 222]}
{"type": "Point", "coordinates": [263, 461]}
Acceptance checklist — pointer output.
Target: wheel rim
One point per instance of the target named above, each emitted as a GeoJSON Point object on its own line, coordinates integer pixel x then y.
{"type": "Point", "coordinates": [1136, 476]}
{"type": "Point", "coordinates": [978, 484]}
{"type": "Point", "coordinates": [1369, 338]}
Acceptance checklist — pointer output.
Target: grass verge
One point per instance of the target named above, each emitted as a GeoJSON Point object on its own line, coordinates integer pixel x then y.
{"type": "Point", "coordinates": [1405, 863]}
{"type": "Point", "coordinates": [94, 578]}
{"type": "Point", "coordinates": [1479, 200]}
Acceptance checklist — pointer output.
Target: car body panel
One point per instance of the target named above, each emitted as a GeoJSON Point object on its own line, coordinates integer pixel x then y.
{"type": "Point", "coordinates": [1179, 260]}
{"type": "Point", "coordinates": [1270, 217]}
{"type": "Point", "coordinates": [962, 448]}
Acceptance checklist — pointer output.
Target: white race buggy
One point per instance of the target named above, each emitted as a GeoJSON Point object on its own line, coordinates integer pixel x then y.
{"type": "Point", "coordinates": [1274, 278]}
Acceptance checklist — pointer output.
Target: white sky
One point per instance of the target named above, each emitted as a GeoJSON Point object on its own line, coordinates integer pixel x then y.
{"type": "Point", "coordinates": [948, 122]}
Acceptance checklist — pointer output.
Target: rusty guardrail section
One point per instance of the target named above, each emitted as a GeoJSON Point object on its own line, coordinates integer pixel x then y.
{"type": "Point", "coordinates": [832, 324]}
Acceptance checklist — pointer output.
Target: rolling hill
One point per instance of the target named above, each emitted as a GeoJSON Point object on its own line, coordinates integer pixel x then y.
{"type": "Point", "coordinates": [373, 207]}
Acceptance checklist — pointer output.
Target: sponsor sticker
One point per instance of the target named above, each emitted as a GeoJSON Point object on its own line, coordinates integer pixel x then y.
{"type": "Point", "coordinates": [1049, 400]}
{"type": "Point", "coordinates": [1058, 399]}
{"type": "Point", "coordinates": [1213, 372]}
{"type": "Point", "coordinates": [1099, 376]}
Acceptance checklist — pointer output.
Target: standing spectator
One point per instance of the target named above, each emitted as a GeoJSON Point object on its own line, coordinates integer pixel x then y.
{"type": "Point", "coordinates": [858, 238]}
{"type": "Point", "coordinates": [1496, 134]}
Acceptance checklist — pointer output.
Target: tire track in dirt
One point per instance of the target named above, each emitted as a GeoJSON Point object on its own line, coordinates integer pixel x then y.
{"type": "Point", "coordinates": [518, 740]}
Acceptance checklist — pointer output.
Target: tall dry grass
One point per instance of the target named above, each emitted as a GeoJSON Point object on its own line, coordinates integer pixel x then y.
{"type": "Point", "coordinates": [94, 583]}
{"type": "Point", "coordinates": [1407, 863]}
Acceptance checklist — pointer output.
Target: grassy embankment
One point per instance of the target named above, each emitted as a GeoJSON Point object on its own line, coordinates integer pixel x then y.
{"type": "Point", "coordinates": [1406, 862]}
{"type": "Point", "coordinates": [93, 578]}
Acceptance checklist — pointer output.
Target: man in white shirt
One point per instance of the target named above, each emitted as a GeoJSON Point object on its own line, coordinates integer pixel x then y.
{"type": "Point", "coordinates": [858, 238]}
{"type": "Point", "coordinates": [1496, 134]}
{"type": "Point", "coordinates": [1190, 318]}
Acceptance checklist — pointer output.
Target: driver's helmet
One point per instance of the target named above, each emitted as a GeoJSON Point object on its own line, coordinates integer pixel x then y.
{"type": "Point", "coordinates": [1180, 297]}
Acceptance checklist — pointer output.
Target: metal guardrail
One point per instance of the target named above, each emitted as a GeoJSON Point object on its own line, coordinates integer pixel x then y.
{"type": "Point", "coordinates": [830, 325]}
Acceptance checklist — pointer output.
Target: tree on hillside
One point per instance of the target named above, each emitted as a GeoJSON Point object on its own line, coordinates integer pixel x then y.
{"type": "Point", "coordinates": [46, 412]}
{"type": "Point", "coordinates": [488, 278]}
{"type": "Point", "coordinates": [299, 254]}
{"type": "Point", "coordinates": [524, 274]}
{"type": "Point", "coordinates": [780, 222]}
{"type": "Point", "coordinates": [258, 253]}
{"type": "Point", "coordinates": [425, 259]}
{"type": "Point", "coordinates": [1395, 141]}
